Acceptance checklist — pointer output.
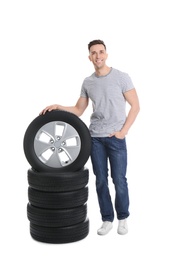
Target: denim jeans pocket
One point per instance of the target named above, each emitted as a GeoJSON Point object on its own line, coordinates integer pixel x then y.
{"type": "Point", "coordinates": [120, 139]}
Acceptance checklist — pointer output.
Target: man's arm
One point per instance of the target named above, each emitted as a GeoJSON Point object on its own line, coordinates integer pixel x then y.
{"type": "Point", "coordinates": [132, 98]}
{"type": "Point", "coordinates": [78, 109]}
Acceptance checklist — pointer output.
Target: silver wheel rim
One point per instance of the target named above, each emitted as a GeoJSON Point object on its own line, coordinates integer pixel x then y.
{"type": "Point", "coordinates": [57, 144]}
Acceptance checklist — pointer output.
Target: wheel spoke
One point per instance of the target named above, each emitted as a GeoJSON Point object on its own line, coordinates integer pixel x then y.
{"type": "Point", "coordinates": [49, 129]}
{"type": "Point", "coordinates": [41, 147]}
{"type": "Point", "coordinates": [69, 132]}
{"type": "Point", "coordinates": [54, 160]}
{"type": "Point", "coordinates": [72, 151]}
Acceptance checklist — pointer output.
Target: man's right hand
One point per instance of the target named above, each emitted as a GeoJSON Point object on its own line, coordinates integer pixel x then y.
{"type": "Point", "coordinates": [48, 109]}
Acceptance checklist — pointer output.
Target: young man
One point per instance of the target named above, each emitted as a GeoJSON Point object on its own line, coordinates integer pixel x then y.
{"type": "Point", "coordinates": [108, 89]}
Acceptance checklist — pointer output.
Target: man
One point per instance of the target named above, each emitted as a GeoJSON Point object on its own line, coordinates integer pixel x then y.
{"type": "Point", "coordinates": [108, 89]}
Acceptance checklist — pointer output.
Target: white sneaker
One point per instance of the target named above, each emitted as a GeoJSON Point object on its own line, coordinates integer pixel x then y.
{"type": "Point", "coordinates": [122, 227]}
{"type": "Point", "coordinates": [105, 228]}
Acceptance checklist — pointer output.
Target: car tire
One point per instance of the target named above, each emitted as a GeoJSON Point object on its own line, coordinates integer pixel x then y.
{"type": "Point", "coordinates": [56, 217]}
{"type": "Point", "coordinates": [58, 182]}
{"type": "Point", "coordinates": [57, 200]}
{"type": "Point", "coordinates": [60, 235]}
{"type": "Point", "coordinates": [58, 141]}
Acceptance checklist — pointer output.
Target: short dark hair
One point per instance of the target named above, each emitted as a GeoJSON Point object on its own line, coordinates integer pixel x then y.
{"type": "Point", "coordinates": [94, 42]}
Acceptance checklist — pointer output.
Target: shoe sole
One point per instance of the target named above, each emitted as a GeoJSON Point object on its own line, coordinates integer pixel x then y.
{"type": "Point", "coordinates": [102, 234]}
{"type": "Point", "coordinates": [122, 233]}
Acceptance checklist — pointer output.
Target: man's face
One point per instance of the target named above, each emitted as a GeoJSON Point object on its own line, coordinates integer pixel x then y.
{"type": "Point", "coordinates": [98, 55]}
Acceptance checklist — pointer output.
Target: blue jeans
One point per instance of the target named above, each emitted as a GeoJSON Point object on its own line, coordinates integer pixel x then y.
{"type": "Point", "coordinates": [114, 150]}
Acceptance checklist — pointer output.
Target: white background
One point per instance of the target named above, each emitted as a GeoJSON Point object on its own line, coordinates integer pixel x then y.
{"type": "Point", "coordinates": [43, 60]}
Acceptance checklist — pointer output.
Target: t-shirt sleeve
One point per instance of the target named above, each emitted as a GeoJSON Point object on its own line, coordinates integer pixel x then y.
{"type": "Point", "coordinates": [126, 83]}
{"type": "Point", "coordinates": [83, 92]}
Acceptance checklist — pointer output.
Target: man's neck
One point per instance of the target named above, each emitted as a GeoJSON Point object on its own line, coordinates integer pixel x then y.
{"type": "Point", "coordinates": [102, 71]}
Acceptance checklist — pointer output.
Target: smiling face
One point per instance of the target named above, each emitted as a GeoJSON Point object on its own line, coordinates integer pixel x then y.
{"type": "Point", "coordinates": [98, 56]}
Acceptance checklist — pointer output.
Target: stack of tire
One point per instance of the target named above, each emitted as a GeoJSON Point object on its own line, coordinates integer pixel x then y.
{"type": "Point", "coordinates": [57, 145]}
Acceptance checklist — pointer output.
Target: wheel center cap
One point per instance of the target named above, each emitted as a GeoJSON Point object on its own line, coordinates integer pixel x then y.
{"type": "Point", "coordinates": [57, 144]}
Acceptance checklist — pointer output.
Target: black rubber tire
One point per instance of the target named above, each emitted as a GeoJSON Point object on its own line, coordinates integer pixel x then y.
{"type": "Point", "coordinates": [57, 200]}
{"type": "Point", "coordinates": [58, 182]}
{"type": "Point", "coordinates": [70, 119]}
{"type": "Point", "coordinates": [60, 235]}
{"type": "Point", "coordinates": [56, 217]}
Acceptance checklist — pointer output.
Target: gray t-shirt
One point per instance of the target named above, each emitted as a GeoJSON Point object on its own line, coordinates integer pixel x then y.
{"type": "Point", "coordinates": [106, 94]}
